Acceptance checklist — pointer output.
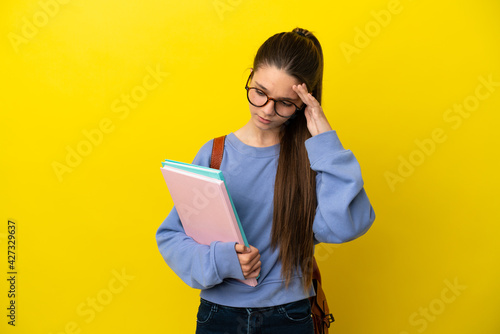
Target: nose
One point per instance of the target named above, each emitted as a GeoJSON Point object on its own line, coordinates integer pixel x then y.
{"type": "Point", "coordinates": [268, 108]}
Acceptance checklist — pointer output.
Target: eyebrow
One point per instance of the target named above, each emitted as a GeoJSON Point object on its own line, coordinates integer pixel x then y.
{"type": "Point", "coordinates": [279, 98]}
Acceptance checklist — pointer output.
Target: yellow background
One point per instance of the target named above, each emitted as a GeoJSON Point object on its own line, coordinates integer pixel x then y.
{"type": "Point", "coordinates": [66, 76]}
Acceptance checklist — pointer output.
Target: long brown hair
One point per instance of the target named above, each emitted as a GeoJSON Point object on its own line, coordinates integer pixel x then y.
{"type": "Point", "coordinates": [299, 54]}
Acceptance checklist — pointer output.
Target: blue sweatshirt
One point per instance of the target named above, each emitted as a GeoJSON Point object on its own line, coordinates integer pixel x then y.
{"type": "Point", "coordinates": [343, 214]}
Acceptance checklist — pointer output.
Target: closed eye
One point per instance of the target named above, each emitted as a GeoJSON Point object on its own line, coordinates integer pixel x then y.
{"type": "Point", "coordinates": [286, 103]}
{"type": "Point", "coordinates": [259, 92]}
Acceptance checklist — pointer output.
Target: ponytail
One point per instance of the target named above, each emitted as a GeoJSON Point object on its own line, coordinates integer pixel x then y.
{"type": "Point", "coordinates": [299, 54]}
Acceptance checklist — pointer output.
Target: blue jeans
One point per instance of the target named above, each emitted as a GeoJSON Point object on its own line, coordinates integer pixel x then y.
{"type": "Point", "coordinates": [292, 318]}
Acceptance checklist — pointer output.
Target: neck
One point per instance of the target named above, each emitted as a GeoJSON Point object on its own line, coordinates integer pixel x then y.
{"type": "Point", "coordinates": [256, 137]}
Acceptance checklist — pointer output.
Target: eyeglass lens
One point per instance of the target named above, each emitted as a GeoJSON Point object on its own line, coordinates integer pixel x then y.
{"type": "Point", "coordinates": [258, 98]}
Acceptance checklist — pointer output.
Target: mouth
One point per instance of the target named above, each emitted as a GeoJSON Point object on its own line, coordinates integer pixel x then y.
{"type": "Point", "coordinates": [264, 120]}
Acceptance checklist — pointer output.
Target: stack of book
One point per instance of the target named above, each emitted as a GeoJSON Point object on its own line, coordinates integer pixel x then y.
{"type": "Point", "coordinates": [204, 205]}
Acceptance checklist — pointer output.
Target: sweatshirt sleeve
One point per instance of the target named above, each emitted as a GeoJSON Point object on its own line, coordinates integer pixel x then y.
{"type": "Point", "coordinates": [344, 211]}
{"type": "Point", "coordinates": [199, 266]}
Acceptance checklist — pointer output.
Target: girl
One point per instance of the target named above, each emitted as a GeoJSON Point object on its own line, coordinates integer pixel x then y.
{"type": "Point", "coordinates": [293, 186]}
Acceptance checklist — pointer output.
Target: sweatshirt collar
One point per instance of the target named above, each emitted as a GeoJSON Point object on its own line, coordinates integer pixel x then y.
{"type": "Point", "coordinates": [258, 152]}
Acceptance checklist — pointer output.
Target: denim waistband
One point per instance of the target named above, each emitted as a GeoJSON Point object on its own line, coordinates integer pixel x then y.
{"type": "Point", "coordinates": [245, 310]}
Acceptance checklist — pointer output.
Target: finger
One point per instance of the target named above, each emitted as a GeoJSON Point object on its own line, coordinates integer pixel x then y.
{"type": "Point", "coordinates": [249, 259]}
{"type": "Point", "coordinates": [253, 274]}
{"type": "Point", "coordinates": [252, 261]}
{"type": "Point", "coordinates": [305, 96]}
{"type": "Point", "coordinates": [252, 249]}
{"type": "Point", "coordinates": [250, 268]}
{"type": "Point", "coordinates": [242, 249]}
{"type": "Point", "coordinates": [254, 271]}
{"type": "Point", "coordinates": [249, 262]}
{"type": "Point", "coordinates": [301, 91]}
{"type": "Point", "coordinates": [311, 101]}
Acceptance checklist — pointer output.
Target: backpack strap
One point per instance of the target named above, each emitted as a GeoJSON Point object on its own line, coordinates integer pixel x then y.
{"type": "Point", "coordinates": [321, 315]}
{"type": "Point", "coordinates": [217, 152]}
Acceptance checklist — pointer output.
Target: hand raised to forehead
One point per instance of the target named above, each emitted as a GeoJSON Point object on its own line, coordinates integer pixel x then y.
{"type": "Point", "coordinates": [316, 119]}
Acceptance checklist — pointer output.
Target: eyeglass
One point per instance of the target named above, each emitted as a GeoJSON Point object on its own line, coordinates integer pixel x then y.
{"type": "Point", "coordinates": [258, 98]}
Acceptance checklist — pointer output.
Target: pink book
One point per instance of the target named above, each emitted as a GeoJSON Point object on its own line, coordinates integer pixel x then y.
{"type": "Point", "coordinates": [205, 208]}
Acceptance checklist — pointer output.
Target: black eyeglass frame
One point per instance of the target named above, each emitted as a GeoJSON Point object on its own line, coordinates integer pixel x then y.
{"type": "Point", "coordinates": [270, 98]}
